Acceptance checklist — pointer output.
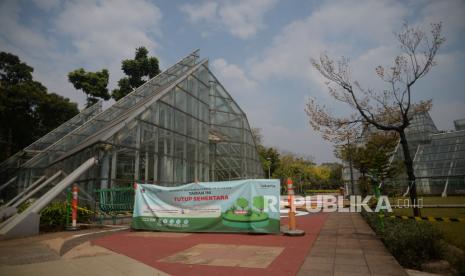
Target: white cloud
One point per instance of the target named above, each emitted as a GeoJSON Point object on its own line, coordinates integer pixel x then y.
{"type": "Point", "coordinates": [264, 112]}
{"type": "Point", "coordinates": [97, 34]}
{"type": "Point", "coordinates": [363, 31]}
{"type": "Point", "coordinates": [340, 27]}
{"type": "Point", "coordinates": [302, 141]}
{"type": "Point", "coordinates": [234, 78]}
{"type": "Point", "coordinates": [242, 19]}
{"type": "Point", "coordinates": [14, 35]}
{"type": "Point", "coordinates": [109, 30]}
{"type": "Point", "coordinates": [204, 11]}
{"type": "Point", "coordinates": [451, 13]}
{"type": "Point", "coordinates": [47, 5]}
{"type": "Point", "coordinates": [445, 120]}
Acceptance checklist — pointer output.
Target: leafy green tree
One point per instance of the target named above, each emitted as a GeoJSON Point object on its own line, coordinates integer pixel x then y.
{"type": "Point", "coordinates": [373, 158]}
{"type": "Point", "coordinates": [269, 156]}
{"type": "Point", "coordinates": [270, 159]}
{"type": "Point", "coordinates": [93, 84]}
{"type": "Point", "coordinates": [138, 71]}
{"type": "Point", "coordinates": [302, 170]}
{"type": "Point", "coordinates": [53, 110]}
{"type": "Point", "coordinates": [259, 203]}
{"type": "Point", "coordinates": [335, 176]}
{"type": "Point", "coordinates": [27, 110]}
{"type": "Point", "coordinates": [124, 89]}
{"type": "Point", "coordinates": [242, 202]}
{"type": "Point", "coordinates": [13, 71]}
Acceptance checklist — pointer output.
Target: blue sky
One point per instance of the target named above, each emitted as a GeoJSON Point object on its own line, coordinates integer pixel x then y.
{"type": "Point", "coordinates": [259, 50]}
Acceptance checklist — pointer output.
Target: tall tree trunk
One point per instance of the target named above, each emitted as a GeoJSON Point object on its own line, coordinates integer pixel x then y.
{"type": "Point", "coordinates": [350, 168]}
{"type": "Point", "coordinates": [410, 173]}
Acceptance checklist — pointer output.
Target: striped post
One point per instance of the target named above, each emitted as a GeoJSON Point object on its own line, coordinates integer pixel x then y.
{"type": "Point", "coordinates": [74, 206]}
{"type": "Point", "coordinates": [290, 198]}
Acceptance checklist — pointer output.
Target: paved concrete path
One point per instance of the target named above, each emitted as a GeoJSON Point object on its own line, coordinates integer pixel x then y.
{"type": "Point", "coordinates": [110, 264]}
{"type": "Point", "coordinates": [347, 246]}
{"type": "Point", "coordinates": [219, 253]}
{"type": "Point", "coordinates": [44, 255]}
{"type": "Point", "coordinates": [334, 244]}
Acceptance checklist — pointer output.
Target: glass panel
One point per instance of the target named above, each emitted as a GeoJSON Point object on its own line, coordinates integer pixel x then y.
{"type": "Point", "coordinates": [192, 127]}
{"type": "Point", "coordinates": [179, 171]}
{"type": "Point", "coordinates": [179, 144]}
{"type": "Point", "coordinates": [180, 122]}
{"type": "Point", "coordinates": [125, 164]}
{"type": "Point", "coordinates": [169, 97]}
{"type": "Point", "coordinates": [167, 170]}
{"type": "Point", "coordinates": [165, 142]}
{"type": "Point", "coordinates": [203, 92]}
{"type": "Point", "coordinates": [192, 106]}
{"type": "Point", "coordinates": [191, 149]}
{"type": "Point", "coordinates": [166, 116]}
{"type": "Point", "coordinates": [192, 86]}
{"type": "Point", "coordinates": [180, 99]}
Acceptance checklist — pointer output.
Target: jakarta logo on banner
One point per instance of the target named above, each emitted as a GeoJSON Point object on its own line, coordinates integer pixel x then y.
{"type": "Point", "coordinates": [229, 206]}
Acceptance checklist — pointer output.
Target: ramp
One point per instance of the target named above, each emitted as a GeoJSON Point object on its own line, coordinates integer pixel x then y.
{"type": "Point", "coordinates": [11, 207]}
{"type": "Point", "coordinates": [27, 222]}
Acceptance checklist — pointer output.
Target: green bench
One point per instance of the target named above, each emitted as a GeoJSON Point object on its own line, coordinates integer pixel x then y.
{"type": "Point", "coordinates": [114, 201]}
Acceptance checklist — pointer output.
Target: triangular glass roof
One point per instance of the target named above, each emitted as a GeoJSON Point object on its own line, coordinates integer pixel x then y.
{"type": "Point", "coordinates": [178, 127]}
{"type": "Point", "coordinates": [50, 138]}
{"type": "Point", "coordinates": [115, 113]}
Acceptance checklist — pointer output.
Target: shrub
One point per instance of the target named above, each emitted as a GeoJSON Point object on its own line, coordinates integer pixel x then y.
{"type": "Point", "coordinates": [411, 242]}
{"type": "Point", "coordinates": [364, 184]}
{"type": "Point", "coordinates": [24, 205]}
{"type": "Point", "coordinates": [53, 216]}
{"type": "Point", "coordinates": [333, 191]}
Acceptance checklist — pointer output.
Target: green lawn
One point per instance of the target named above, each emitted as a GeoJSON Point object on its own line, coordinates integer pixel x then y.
{"type": "Point", "coordinates": [432, 200]}
{"type": "Point", "coordinates": [454, 232]}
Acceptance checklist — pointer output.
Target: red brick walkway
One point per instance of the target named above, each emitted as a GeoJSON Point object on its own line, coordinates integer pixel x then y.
{"type": "Point", "coordinates": [151, 249]}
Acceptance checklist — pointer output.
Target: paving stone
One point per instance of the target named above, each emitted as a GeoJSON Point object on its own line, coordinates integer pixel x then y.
{"type": "Point", "coordinates": [345, 273]}
{"type": "Point", "coordinates": [311, 265]}
{"type": "Point", "coordinates": [350, 259]}
{"type": "Point", "coordinates": [351, 268]}
{"type": "Point", "coordinates": [231, 255]}
{"type": "Point", "coordinates": [327, 244]}
{"type": "Point", "coordinates": [323, 252]}
{"type": "Point", "coordinates": [349, 251]}
{"type": "Point", "coordinates": [387, 269]}
{"type": "Point", "coordinates": [313, 272]}
{"type": "Point", "coordinates": [320, 260]}
{"type": "Point", "coordinates": [348, 246]}
{"type": "Point", "coordinates": [379, 259]}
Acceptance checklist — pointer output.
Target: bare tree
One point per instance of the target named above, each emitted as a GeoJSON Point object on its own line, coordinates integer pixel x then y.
{"type": "Point", "coordinates": [391, 109]}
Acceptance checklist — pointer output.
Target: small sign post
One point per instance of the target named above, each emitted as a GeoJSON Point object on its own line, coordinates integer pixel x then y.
{"type": "Point", "coordinates": [292, 231]}
{"type": "Point", "coordinates": [74, 209]}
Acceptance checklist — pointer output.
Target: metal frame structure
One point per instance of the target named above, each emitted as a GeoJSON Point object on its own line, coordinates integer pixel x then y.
{"type": "Point", "coordinates": [438, 158]}
{"type": "Point", "coordinates": [179, 127]}
{"type": "Point", "coordinates": [10, 166]}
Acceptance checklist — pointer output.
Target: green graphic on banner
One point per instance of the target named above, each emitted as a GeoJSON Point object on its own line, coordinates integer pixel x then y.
{"type": "Point", "coordinates": [229, 206]}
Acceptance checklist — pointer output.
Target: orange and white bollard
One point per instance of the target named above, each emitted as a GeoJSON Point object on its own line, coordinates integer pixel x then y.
{"type": "Point", "coordinates": [290, 199]}
{"type": "Point", "coordinates": [74, 207]}
{"type": "Point", "coordinates": [292, 231]}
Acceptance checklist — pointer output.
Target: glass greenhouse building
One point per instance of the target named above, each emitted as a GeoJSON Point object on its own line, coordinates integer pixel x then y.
{"type": "Point", "coordinates": [438, 159]}
{"type": "Point", "coordinates": [179, 127]}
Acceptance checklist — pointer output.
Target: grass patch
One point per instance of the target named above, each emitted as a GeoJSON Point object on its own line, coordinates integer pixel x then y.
{"type": "Point", "coordinates": [333, 191]}
{"type": "Point", "coordinates": [431, 200]}
{"type": "Point", "coordinates": [410, 242]}
{"type": "Point", "coordinates": [453, 232]}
